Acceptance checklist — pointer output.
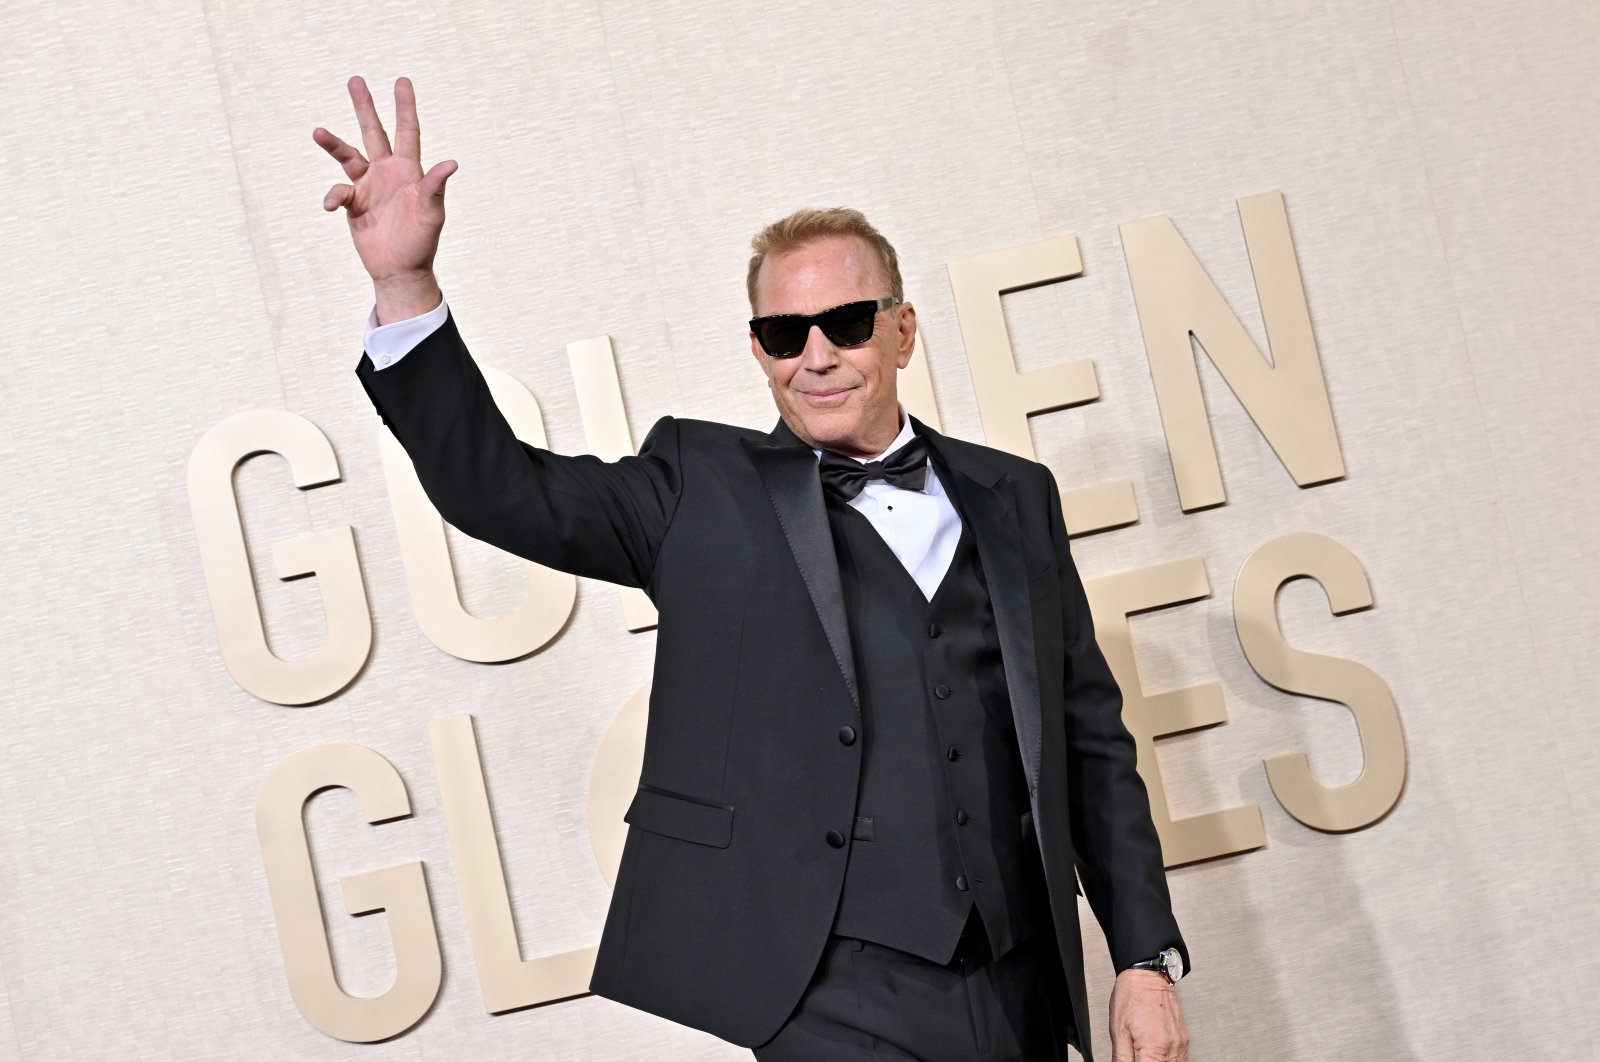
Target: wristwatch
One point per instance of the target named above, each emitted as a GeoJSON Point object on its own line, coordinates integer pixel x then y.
{"type": "Point", "coordinates": [1169, 964]}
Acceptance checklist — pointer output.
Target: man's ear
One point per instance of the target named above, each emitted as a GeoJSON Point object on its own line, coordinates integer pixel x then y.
{"type": "Point", "coordinates": [907, 335]}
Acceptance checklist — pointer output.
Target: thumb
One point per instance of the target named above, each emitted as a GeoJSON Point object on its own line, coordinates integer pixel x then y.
{"type": "Point", "coordinates": [433, 180]}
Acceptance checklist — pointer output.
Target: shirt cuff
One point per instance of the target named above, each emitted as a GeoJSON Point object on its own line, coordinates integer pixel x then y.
{"type": "Point", "coordinates": [387, 344]}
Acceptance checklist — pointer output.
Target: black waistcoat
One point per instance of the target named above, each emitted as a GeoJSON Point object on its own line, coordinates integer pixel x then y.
{"type": "Point", "coordinates": [942, 811]}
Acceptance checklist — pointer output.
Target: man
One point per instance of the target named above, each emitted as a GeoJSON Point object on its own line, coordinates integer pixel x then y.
{"type": "Point", "coordinates": [881, 736]}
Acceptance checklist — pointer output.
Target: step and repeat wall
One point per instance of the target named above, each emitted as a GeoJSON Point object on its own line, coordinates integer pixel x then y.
{"type": "Point", "coordinates": [1295, 301]}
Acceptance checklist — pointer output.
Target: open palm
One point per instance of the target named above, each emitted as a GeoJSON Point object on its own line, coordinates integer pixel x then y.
{"type": "Point", "coordinates": [395, 211]}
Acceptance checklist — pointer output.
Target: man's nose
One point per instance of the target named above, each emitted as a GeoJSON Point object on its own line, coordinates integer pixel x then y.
{"type": "Point", "coordinates": [819, 354]}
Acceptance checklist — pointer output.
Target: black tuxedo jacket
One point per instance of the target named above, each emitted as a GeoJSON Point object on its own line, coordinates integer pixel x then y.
{"type": "Point", "coordinates": [727, 886]}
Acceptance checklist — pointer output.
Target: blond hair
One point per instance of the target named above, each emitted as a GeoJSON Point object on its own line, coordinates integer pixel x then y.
{"type": "Point", "coordinates": [803, 226]}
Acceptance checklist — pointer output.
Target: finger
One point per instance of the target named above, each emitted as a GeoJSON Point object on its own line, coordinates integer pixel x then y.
{"type": "Point", "coordinates": [407, 134]}
{"type": "Point", "coordinates": [373, 137]}
{"type": "Point", "coordinates": [1121, 1046]}
{"type": "Point", "coordinates": [433, 180]}
{"type": "Point", "coordinates": [346, 156]}
{"type": "Point", "coordinates": [340, 195]}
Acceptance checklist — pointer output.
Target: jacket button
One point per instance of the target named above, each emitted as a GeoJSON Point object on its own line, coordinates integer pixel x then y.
{"type": "Point", "coordinates": [934, 630]}
{"type": "Point", "coordinates": [952, 754]}
{"type": "Point", "coordinates": [941, 691]}
{"type": "Point", "coordinates": [961, 818]}
{"type": "Point", "coordinates": [835, 839]}
{"type": "Point", "coordinates": [847, 735]}
{"type": "Point", "coordinates": [961, 883]}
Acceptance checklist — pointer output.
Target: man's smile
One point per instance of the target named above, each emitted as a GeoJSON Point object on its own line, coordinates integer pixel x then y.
{"type": "Point", "coordinates": [828, 397]}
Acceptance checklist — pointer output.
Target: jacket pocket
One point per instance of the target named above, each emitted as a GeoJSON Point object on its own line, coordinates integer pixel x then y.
{"type": "Point", "coordinates": [1043, 583]}
{"type": "Point", "coordinates": [679, 815]}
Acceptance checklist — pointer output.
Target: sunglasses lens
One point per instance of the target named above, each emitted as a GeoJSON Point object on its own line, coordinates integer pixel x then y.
{"type": "Point", "coordinates": [782, 337]}
{"type": "Point", "coordinates": [849, 325]}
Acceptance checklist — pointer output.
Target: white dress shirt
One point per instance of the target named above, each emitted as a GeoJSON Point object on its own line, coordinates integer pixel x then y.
{"type": "Point", "coordinates": [920, 527]}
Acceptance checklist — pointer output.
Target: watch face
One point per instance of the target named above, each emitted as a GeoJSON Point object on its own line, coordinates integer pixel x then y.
{"type": "Point", "coordinates": [1174, 964]}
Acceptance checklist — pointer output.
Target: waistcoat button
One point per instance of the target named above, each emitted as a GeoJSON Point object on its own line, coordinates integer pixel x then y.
{"type": "Point", "coordinates": [941, 691]}
{"type": "Point", "coordinates": [961, 818]}
{"type": "Point", "coordinates": [934, 630]}
{"type": "Point", "coordinates": [961, 883]}
{"type": "Point", "coordinates": [835, 839]}
{"type": "Point", "coordinates": [847, 735]}
{"type": "Point", "coordinates": [952, 754]}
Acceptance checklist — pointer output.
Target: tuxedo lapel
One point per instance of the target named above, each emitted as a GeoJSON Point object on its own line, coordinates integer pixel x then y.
{"type": "Point", "coordinates": [788, 469]}
{"type": "Point", "coordinates": [984, 497]}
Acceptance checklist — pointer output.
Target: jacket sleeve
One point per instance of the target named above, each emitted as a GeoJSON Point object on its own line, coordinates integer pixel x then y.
{"type": "Point", "coordinates": [605, 520]}
{"type": "Point", "coordinates": [1114, 838]}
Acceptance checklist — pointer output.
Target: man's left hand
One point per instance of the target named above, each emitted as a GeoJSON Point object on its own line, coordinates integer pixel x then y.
{"type": "Point", "coordinates": [1145, 1017]}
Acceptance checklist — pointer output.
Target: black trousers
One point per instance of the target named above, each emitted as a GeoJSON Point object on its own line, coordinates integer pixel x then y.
{"type": "Point", "coordinates": [872, 1003]}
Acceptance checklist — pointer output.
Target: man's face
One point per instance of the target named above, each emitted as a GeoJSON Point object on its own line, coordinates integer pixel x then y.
{"type": "Point", "coordinates": [835, 398]}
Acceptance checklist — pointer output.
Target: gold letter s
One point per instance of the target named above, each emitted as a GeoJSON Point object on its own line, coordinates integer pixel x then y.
{"type": "Point", "coordinates": [1383, 744]}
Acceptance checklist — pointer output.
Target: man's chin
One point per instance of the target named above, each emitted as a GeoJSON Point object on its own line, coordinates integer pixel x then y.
{"type": "Point", "coordinates": [823, 429]}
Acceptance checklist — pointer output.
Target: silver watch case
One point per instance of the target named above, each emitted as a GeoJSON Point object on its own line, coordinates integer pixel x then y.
{"type": "Point", "coordinates": [1171, 963]}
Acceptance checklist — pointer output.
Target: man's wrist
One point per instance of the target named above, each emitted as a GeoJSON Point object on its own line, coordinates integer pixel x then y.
{"type": "Point", "coordinates": [401, 298]}
{"type": "Point", "coordinates": [1166, 964]}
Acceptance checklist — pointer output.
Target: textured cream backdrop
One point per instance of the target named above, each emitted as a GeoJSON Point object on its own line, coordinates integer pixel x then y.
{"type": "Point", "coordinates": [167, 264]}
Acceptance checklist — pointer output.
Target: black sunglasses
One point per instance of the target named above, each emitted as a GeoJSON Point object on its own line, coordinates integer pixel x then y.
{"type": "Point", "coordinates": [783, 335]}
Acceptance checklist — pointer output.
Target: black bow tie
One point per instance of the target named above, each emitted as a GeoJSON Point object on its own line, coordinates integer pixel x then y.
{"type": "Point", "coordinates": [906, 468]}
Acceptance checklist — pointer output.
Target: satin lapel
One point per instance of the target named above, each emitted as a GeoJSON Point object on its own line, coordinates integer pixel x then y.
{"type": "Point", "coordinates": [788, 468]}
{"type": "Point", "coordinates": [985, 499]}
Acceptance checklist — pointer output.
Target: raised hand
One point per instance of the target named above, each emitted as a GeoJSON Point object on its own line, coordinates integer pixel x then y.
{"type": "Point", "coordinates": [395, 211]}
